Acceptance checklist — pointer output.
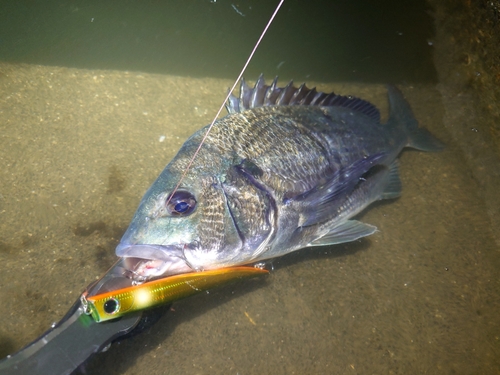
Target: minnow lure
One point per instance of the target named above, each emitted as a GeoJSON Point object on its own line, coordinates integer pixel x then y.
{"type": "Point", "coordinates": [114, 304]}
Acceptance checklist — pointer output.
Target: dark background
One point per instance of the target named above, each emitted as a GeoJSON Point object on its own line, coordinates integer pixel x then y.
{"type": "Point", "coordinates": [344, 40]}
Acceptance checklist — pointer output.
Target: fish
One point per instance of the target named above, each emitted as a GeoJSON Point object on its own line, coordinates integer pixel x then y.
{"type": "Point", "coordinates": [287, 168]}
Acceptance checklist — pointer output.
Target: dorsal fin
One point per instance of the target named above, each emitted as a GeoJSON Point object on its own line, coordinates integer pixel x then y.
{"type": "Point", "coordinates": [263, 95]}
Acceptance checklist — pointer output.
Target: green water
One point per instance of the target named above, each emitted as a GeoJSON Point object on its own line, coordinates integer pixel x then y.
{"type": "Point", "coordinates": [83, 107]}
{"type": "Point", "coordinates": [322, 40]}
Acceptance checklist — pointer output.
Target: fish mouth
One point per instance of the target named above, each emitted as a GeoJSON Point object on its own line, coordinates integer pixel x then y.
{"type": "Point", "coordinates": [157, 260]}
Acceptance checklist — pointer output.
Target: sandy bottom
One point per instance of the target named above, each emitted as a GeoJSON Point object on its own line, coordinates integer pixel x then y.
{"type": "Point", "coordinates": [79, 148]}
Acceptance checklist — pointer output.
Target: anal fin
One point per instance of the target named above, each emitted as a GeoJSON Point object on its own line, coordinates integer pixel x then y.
{"type": "Point", "coordinates": [393, 187]}
{"type": "Point", "coordinates": [348, 231]}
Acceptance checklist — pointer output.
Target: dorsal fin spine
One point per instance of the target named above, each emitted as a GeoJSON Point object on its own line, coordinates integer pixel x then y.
{"type": "Point", "coordinates": [263, 95]}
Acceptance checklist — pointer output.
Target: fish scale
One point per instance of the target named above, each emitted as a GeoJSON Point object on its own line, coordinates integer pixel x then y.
{"type": "Point", "coordinates": [295, 162]}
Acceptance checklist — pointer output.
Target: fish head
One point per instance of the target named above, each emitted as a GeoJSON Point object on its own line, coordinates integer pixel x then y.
{"type": "Point", "coordinates": [203, 224]}
{"type": "Point", "coordinates": [179, 230]}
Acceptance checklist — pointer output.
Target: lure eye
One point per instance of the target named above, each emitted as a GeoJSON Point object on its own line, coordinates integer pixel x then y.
{"type": "Point", "coordinates": [111, 306]}
{"type": "Point", "coordinates": [182, 203]}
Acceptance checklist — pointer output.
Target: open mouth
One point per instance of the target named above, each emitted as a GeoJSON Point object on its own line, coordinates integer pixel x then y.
{"type": "Point", "coordinates": [156, 260]}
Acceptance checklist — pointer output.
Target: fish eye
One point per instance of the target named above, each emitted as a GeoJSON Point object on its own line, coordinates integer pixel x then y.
{"type": "Point", "coordinates": [181, 203]}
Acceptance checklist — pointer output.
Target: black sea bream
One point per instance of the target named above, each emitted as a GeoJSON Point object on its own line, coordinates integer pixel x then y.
{"type": "Point", "coordinates": [287, 168]}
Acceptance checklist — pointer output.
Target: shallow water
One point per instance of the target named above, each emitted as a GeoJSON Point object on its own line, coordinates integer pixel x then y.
{"type": "Point", "coordinates": [78, 149]}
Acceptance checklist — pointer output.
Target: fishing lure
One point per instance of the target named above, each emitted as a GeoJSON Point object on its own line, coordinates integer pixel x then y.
{"type": "Point", "coordinates": [114, 304]}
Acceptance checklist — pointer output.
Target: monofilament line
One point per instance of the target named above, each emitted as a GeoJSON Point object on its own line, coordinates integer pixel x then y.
{"type": "Point", "coordinates": [225, 100]}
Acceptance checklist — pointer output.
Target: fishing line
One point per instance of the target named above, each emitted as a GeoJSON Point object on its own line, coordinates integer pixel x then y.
{"type": "Point", "coordinates": [225, 100]}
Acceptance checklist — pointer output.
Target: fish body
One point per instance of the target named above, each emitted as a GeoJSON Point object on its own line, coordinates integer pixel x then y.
{"type": "Point", "coordinates": [287, 168]}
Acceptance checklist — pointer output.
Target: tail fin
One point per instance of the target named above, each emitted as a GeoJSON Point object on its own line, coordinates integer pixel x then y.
{"type": "Point", "coordinates": [402, 115]}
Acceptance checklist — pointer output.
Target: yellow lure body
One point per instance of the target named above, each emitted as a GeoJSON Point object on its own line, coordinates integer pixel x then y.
{"type": "Point", "coordinates": [114, 304]}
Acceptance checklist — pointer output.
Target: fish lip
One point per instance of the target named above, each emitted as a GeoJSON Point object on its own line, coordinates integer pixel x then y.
{"type": "Point", "coordinates": [151, 252]}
